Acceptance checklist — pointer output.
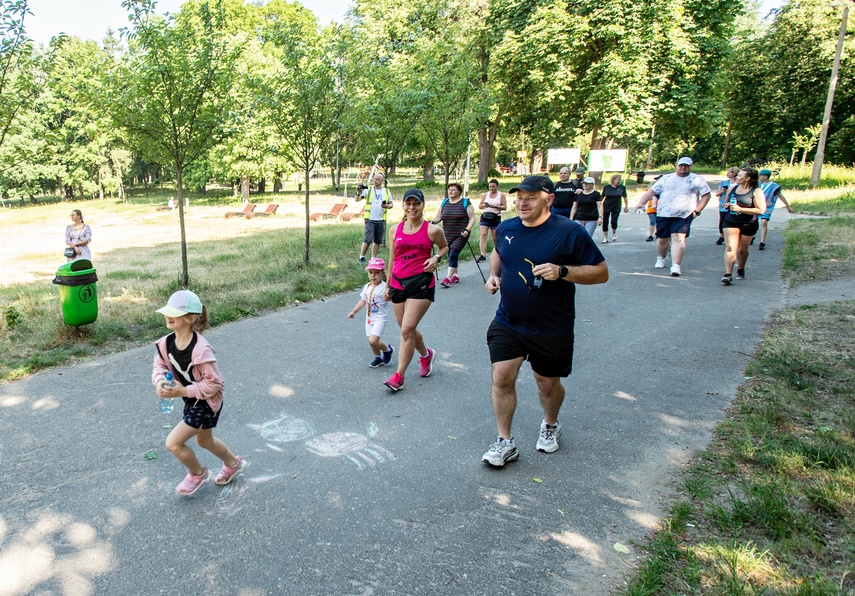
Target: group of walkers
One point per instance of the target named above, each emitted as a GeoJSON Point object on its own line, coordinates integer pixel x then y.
{"type": "Point", "coordinates": [538, 259]}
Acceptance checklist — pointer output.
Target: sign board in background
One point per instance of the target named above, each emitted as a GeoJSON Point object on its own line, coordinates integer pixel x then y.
{"type": "Point", "coordinates": [608, 160]}
{"type": "Point", "coordinates": [563, 157]}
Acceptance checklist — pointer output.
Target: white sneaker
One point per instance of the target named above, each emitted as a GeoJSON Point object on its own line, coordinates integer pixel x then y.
{"type": "Point", "coordinates": [676, 271]}
{"type": "Point", "coordinates": [501, 453]}
{"type": "Point", "coordinates": [661, 262]}
{"type": "Point", "coordinates": [548, 439]}
{"type": "Point", "coordinates": [614, 238]}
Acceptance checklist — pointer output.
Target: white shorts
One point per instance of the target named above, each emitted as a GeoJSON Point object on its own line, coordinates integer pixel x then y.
{"type": "Point", "coordinates": [375, 328]}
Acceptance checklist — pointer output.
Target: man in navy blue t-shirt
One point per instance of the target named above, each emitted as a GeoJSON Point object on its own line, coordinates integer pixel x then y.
{"type": "Point", "coordinates": [538, 259]}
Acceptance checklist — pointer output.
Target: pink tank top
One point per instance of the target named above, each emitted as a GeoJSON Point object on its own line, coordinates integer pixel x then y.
{"type": "Point", "coordinates": [411, 252]}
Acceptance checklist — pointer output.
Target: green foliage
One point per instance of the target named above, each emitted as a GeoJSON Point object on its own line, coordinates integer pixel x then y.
{"type": "Point", "coordinates": [300, 92]}
{"type": "Point", "coordinates": [789, 66]}
{"type": "Point", "coordinates": [170, 92]}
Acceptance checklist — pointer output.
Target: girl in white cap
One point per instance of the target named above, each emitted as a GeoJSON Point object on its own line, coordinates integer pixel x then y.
{"type": "Point", "coordinates": [190, 359]}
{"type": "Point", "coordinates": [375, 315]}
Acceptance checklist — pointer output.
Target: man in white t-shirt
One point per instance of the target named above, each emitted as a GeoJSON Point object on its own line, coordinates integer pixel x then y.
{"type": "Point", "coordinates": [682, 197]}
{"type": "Point", "coordinates": [378, 201]}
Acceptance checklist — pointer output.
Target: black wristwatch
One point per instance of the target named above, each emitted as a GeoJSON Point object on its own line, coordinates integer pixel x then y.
{"type": "Point", "coordinates": [563, 271]}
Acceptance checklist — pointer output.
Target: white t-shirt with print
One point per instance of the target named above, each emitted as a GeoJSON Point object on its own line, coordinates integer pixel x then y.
{"type": "Point", "coordinates": [679, 196]}
{"type": "Point", "coordinates": [375, 302]}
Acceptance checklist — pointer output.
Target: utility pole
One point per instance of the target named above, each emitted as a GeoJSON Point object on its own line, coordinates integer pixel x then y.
{"type": "Point", "coordinates": [826, 118]}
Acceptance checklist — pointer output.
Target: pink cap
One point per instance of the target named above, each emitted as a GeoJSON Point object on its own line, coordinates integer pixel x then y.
{"type": "Point", "coordinates": [376, 264]}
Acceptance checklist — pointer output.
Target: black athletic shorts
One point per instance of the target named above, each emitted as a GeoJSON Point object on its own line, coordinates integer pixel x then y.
{"type": "Point", "coordinates": [745, 229]}
{"type": "Point", "coordinates": [549, 355]}
{"type": "Point", "coordinates": [400, 296]}
{"type": "Point", "coordinates": [198, 414]}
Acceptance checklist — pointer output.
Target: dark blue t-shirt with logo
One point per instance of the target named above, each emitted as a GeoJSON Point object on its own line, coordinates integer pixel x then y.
{"type": "Point", "coordinates": [551, 308]}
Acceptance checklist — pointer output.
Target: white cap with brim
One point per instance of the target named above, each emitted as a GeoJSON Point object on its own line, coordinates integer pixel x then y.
{"type": "Point", "coordinates": [684, 161]}
{"type": "Point", "coordinates": [588, 180]}
{"type": "Point", "coordinates": [181, 303]}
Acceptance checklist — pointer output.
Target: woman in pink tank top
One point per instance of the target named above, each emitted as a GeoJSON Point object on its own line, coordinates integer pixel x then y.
{"type": "Point", "coordinates": [412, 285]}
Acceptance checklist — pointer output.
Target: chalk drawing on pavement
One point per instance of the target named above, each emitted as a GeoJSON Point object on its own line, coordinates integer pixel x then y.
{"type": "Point", "coordinates": [356, 448]}
{"type": "Point", "coordinates": [285, 429]}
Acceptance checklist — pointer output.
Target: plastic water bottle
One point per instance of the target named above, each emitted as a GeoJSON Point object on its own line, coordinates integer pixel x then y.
{"type": "Point", "coordinates": [167, 404]}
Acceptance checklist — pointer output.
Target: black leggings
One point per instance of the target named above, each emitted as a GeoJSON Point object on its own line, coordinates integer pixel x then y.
{"type": "Point", "coordinates": [721, 216]}
{"type": "Point", "coordinates": [614, 215]}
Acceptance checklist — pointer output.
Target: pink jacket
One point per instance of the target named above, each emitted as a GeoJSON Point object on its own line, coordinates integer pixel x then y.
{"type": "Point", "coordinates": [208, 383]}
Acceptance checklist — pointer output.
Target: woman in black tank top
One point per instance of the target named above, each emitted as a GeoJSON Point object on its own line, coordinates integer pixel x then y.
{"type": "Point", "coordinates": [744, 202]}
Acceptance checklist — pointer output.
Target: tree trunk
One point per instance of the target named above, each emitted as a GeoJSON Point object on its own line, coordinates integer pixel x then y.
{"type": "Point", "coordinates": [261, 186]}
{"type": "Point", "coordinates": [486, 142]}
{"type": "Point", "coordinates": [726, 144]}
{"type": "Point", "coordinates": [306, 250]}
{"type": "Point", "coordinates": [244, 189]}
{"type": "Point", "coordinates": [536, 162]}
{"type": "Point", "coordinates": [277, 182]}
{"type": "Point", "coordinates": [185, 274]}
{"type": "Point", "coordinates": [792, 157]}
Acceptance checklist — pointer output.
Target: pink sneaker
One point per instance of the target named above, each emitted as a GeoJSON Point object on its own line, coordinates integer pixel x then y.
{"type": "Point", "coordinates": [395, 382]}
{"type": "Point", "coordinates": [228, 474]}
{"type": "Point", "coordinates": [445, 283]}
{"type": "Point", "coordinates": [426, 363]}
{"type": "Point", "coordinates": [192, 483]}
{"type": "Point", "coordinates": [455, 279]}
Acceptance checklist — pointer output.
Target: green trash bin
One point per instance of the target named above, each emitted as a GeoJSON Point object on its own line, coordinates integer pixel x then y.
{"type": "Point", "coordinates": [78, 293]}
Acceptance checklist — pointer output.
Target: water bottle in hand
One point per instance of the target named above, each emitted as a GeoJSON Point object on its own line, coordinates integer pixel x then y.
{"type": "Point", "coordinates": [166, 403]}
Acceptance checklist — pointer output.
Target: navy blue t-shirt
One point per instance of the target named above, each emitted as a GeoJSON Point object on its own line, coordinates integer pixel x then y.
{"type": "Point", "coordinates": [551, 309]}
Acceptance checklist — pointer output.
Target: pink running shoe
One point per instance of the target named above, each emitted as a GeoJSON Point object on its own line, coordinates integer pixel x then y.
{"type": "Point", "coordinates": [395, 382]}
{"type": "Point", "coordinates": [426, 363]}
{"type": "Point", "coordinates": [192, 483]}
{"type": "Point", "coordinates": [455, 279]}
{"type": "Point", "coordinates": [228, 474]}
{"type": "Point", "coordinates": [445, 283]}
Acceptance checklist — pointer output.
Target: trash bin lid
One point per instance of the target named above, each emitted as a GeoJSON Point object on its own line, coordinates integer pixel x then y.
{"type": "Point", "coordinates": [78, 267]}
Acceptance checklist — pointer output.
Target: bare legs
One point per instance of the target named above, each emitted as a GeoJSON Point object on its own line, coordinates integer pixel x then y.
{"type": "Point", "coordinates": [677, 244]}
{"type": "Point", "coordinates": [176, 443]}
{"type": "Point", "coordinates": [408, 315]}
{"type": "Point", "coordinates": [504, 395]}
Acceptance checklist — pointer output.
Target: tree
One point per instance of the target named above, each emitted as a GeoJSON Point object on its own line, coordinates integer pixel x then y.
{"type": "Point", "coordinates": [782, 82]}
{"type": "Point", "coordinates": [18, 65]}
{"type": "Point", "coordinates": [171, 92]}
{"type": "Point", "coordinates": [301, 92]}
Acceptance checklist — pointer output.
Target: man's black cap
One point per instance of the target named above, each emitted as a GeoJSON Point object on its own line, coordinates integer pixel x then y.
{"type": "Point", "coordinates": [534, 184]}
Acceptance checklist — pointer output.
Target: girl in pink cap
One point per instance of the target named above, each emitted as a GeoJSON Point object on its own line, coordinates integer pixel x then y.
{"type": "Point", "coordinates": [190, 359]}
{"type": "Point", "coordinates": [373, 295]}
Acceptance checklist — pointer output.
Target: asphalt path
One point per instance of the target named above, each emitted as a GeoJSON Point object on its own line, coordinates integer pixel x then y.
{"type": "Point", "coordinates": [354, 490]}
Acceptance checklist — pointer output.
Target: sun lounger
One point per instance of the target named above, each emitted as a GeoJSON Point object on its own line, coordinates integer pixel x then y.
{"type": "Point", "coordinates": [250, 207]}
{"type": "Point", "coordinates": [334, 213]}
{"type": "Point", "coordinates": [271, 209]}
{"type": "Point", "coordinates": [349, 216]}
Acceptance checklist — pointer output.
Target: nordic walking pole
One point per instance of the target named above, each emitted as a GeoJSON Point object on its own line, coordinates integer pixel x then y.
{"type": "Point", "coordinates": [474, 258]}
{"type": "Point", "coordinates": [466, 194]}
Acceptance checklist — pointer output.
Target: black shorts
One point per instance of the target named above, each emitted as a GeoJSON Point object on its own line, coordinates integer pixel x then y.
{"type": "Point", "coordinates": [491, 223]}
{"type": "Point", "coordinates": [745, 229]}
{"type": "Point", "coordinates": [400, 296]}
{"type": "Point", "coordinates": [198, 414]}
{"type": "Point", "coordinates": [549, 355]}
